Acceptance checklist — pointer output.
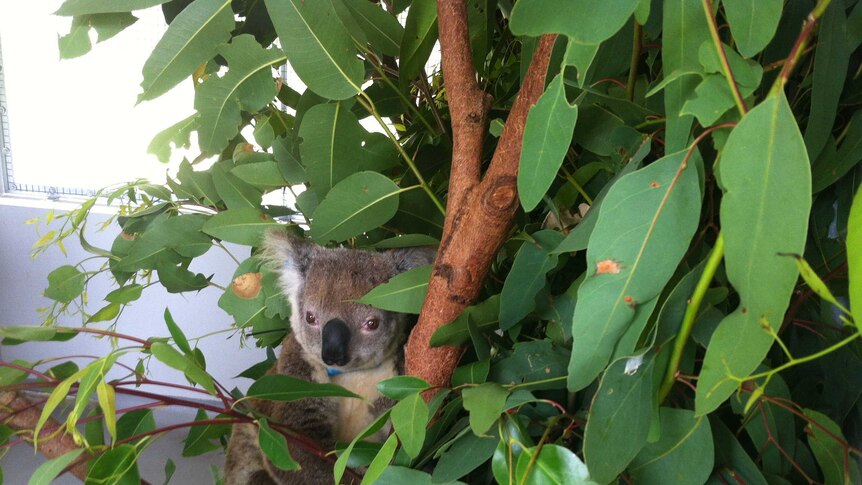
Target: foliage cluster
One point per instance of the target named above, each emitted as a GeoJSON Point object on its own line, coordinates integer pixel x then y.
{"type": "Point", "coordinates": [645, 322]}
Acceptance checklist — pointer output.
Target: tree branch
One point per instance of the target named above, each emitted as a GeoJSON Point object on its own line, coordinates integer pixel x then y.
{"type": "Point", "coordinates": [20, 414]}
{"type": "Point", "coordinates": [480, 209]}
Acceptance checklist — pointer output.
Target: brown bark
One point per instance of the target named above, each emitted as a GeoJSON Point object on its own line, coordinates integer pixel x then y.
{"type": "Point", "coordinates": [480, 209]}
{"type": "Point", "coordinates": [20, 414]}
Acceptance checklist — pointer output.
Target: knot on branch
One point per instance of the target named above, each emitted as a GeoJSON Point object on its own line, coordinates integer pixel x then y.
{"type": "Point", "coordinates": [500, 198]}
{"type": "Point", "coordinates": [459, 281]}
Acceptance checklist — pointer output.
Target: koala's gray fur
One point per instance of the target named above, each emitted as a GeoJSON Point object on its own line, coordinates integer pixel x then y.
{"type": "Point", "coordinates": [325, 283]}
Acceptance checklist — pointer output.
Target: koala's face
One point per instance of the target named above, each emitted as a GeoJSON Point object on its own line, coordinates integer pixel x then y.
{"type": "Point", "coordinates": [323, 286]}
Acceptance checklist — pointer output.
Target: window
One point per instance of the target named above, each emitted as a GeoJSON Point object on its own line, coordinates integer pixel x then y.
{"type": "Point", "coordinates": [72, 126]}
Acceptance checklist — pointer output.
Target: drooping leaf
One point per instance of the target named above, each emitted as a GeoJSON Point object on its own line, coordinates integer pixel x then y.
{"type": "Point", "coordinates": [331, 142]}
{"type": "Point", "coordinates": [172, 358]}
{"type": "Point", "coordinates": [830, 69]}
{"type": "Point", "coordinates": [125, 294]}
{"type": "Point", "coordinates": [359, 203]}
{"type": "Point", "coordinates": [287, 388]}
{"type": "Point", "coordinates": [766, 177]}
{"type": "Point", "coordinates": [381, 461]}
{"type": "Point", "coordinates": [274, 446]}
{"type": "Point", "coordinates": [547, 136]}
{"type": "Point", "coordinates": [409, 419]}
{"type": "Point", "coordinates": [683, 454]}
{"type": "Point", "coordinates": [420, 34]}
{"type": "Point", "coordinates": [248, 85]}
{"type": "Point", "coordinates": [643, 230]}
{"type": "Point", "coordinates": [383, 31]}
{"type": "Point", "coordinates": [619, 419]}
{"type": "Point", "coordinates": [854, 258]}
{"type": "Point", "coordinates": [752, 24]}
{"type": "Point", "coordinates": [191, 40]}
{"type": "Point", "coordinates": [527, 277]}
{"type": "Point", "coordinates": [318, 46]}
{"type": "Point", "coordinates": [582, 20]}
{"type": "Point", "coordinates": [830, 454]}
{"type": "Point", "coordinates": [403, 293]}
{"type": "Point", "coordinates": [683, 26]}
{"type": "Point", "coordinates": [177, 333]}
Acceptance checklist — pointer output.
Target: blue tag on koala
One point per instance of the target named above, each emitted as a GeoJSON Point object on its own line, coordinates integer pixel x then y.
{"type": "Point", "coordinates": [333, 372]}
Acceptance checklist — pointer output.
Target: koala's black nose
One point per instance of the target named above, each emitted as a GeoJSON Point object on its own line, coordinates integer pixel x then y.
{"type": "Point", "coordinates": [336, 340]}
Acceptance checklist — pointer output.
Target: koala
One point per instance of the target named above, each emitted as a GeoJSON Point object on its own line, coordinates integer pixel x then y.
{"type": "Point", "coordinates": [333, 339]}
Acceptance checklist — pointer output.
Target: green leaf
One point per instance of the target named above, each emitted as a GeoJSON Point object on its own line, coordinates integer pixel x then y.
{"type": "Point", "coordinates": [248, 85]}
{"type": "Point", "coordinates": [407, 241]}
{"type": "Point", "coordinates": [540, 362]}
{"type": "Point", "coordinates": [830, 69]}
{"type": "Point", "coordinates": [815, 283]}
{"type": "Point", "coordinates": [241, 226]}
{"type": "Point", "coordinates": [274, 446]}
{"type": "Point", "coordinates": [381, 461]}
{"type": "Point", "coordinates": [466, 454]}
{"type": "Point", "coordinates": [192, 39]}
{"type": "Point", "coordinates": [619, 419]}
{"type": "Point", "coordinates": [409, 419]}
{"type": "Point", "coordinates": [765, 174]}
{"type": "Point", "coordinates": [383, 31]}
{"type": "Point", "coordinates": [318, 46]}
{"type": "Point", "coordinates": [331, 140]}
{"type": "Point", "coordinates": [527, 277]}
{"type": "Point", "coordinates": [125, 295]}
{"type": "Point", "coordinates": [581, 56]}
{"type": "Point", "coordinates": [832, 165]}
{"type": "Point", "coordinates": [647, 220]}
{"type": "Point", "coordinates": [177, 279]}
{"type": "Point", "coordinates": [177, 135]}
{"type": "Point", "coordinates": [683, 454]}
{"type": "Point", "coordinates": [420, 34]}
{"type": "Point", "coordinates": [473, 373]}
{"type": "Point", "coordinates": [77, 42]}
{"type": "Point", "coordinates": [404, 293]}
{"type": "Point", "coordinates": [166, 237]}
{"type": "Point", "coordinates": [36, 334]}
{"type": "Point", "coordinates": [108, 404]}
{"type": "Point", "coordinates": [547, 136]}
{"type": "Point", "coordinates": [134, 423]}
{"type": "Point", "coordinates": [287, 388]}
{"type": "Point", "coordinates": [485, 403]}
{"type": "Point", "coordinates": [832, 457]}
{"type": "Point", "coordinates": [177, 334]}
{"type": "Point", "coordinates": [555, 465]}
{"type": "Point", "coordinates": [235, 193]}
{"type": "Point", "coordinates": [117, 466]}
{"type": "Point", "coordinates": [732, 457]}
{"type": "Point", "coordinates": [84, 7]}
{"type": "Point", "coordinates": [65, 284]}
{"type": "Point", "coordinates": [51, 469]}
{"type": "Point", "coordinates": [172, 358]}
{"type": "Point", "coordinates": [199, 439]}
{"type": "Point", "coordinates": [585, 21]}
{"type": "Point", "coordinates": [854, 258]}
{"type": "Point", "coordinates": [400, 387]}
{"type": "Point", "coordinates": [683, 27]}
{"type": "Point", "coordinates": [371, 429]}
{"type": "Point", "coordinates": [265, 175]}
{"type": "Point", "coordinates": [399, 475]}
{"type": "Point", "coordinates": [484, 315]}
{"type": "Point", "coordinates": [753, 24]}
{"type": "Point", "coordinates": [357, 204]}
{"type": "Point", "coordinates": [107, 312]}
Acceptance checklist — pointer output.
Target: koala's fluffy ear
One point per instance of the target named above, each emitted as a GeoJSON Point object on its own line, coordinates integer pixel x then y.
{"type": "Point", "coordinates": [409, 258]}
{"type": "Point", "coordinates": [291, 255]}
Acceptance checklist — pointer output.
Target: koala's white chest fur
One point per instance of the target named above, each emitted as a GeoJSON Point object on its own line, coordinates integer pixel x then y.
{"type": "Point", "coordinates": [354, 415]}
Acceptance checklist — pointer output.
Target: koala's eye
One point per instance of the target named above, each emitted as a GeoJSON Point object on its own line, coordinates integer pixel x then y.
{"type": "Point", "coordinates": [310, 318]}
{"type": "Point", "coordinates": [371, 324]}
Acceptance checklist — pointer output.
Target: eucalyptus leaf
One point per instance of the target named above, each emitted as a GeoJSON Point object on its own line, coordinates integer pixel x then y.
{"type": "Point", "coordinates": [355, 205]}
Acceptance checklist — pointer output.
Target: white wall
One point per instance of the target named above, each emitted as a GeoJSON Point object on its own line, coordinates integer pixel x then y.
{"type": "Point", "coordinates": [22, 280]}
